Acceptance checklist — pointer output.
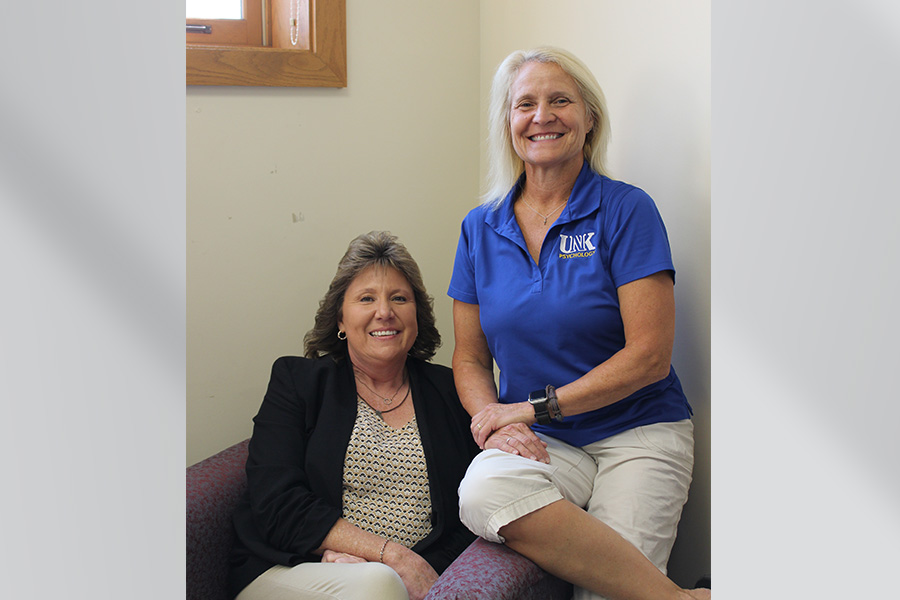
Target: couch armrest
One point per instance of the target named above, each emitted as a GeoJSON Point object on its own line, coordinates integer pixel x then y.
{"type": "Point", "coordinates": [488, 571]}
{"type": "Point", "coordinates": [214, 487]}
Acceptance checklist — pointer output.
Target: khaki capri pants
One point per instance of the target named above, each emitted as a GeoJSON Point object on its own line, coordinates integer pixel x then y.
{"type": "Point", "coordinates": [636, 482]}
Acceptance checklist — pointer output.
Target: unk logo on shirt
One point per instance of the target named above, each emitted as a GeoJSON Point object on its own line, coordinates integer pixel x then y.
{"type": "Point", "coordinates": [576, 246]}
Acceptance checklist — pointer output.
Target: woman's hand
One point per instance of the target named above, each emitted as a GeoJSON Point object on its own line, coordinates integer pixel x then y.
{"type": "Point", "coordinates": [518, 438]}
{"type": "Point", "coordinates": [495, 415]}
{"type": "Point", "coordinates": [418, 576]}
{"type": "Point", "coordinates": [330, 556]}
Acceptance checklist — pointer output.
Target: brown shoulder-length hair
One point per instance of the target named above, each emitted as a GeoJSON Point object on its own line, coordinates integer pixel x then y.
{"type": "Point", "coordinates": [373, 248]}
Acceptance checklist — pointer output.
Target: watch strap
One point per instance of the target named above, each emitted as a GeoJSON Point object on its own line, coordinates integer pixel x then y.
{"type": "Point", "coordinates": [553, 404]}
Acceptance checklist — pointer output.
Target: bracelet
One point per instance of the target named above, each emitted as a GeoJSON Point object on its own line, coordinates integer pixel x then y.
{"type": "Point", "coordinates": [553, 405]}
{"type": "Point", "coordinates": [381, 554]}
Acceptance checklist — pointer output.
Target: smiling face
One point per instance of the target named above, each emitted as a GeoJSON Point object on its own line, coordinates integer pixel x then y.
{"type": "Point", "coordinates": [379, 316]}
{"type": "Point", "coordinates": [548, 118]}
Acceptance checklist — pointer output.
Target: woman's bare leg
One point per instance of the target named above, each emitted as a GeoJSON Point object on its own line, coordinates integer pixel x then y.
{"type": "Point", "coordinates": [571, 544]}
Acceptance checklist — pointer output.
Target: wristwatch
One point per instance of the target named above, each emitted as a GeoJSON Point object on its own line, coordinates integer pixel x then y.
{"type": "Point", "coordinates": [544, 403]}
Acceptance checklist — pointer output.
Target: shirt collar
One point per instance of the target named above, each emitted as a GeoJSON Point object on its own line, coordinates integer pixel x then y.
{"type": "Point", "coordinates": [582, 201]}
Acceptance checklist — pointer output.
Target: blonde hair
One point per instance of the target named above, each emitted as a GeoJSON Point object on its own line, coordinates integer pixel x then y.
{"type": "Point", "coordinates": [504, 165]}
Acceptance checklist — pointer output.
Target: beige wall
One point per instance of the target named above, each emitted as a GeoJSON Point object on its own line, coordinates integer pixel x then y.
{"type": "Point", "coordinates": [279, 180]}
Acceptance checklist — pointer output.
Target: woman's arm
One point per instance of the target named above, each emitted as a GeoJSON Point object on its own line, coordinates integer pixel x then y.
{"type": "Point", "coordinates": [286, 511]}
{"type": "Point", "coordinates": [473, 372]}
{"type": "Point", "coordinates": [473, 365]}
{"type": "Point", "coordinates": [647, 307]}
{"type": "Point", "coordinates": [345, 538]}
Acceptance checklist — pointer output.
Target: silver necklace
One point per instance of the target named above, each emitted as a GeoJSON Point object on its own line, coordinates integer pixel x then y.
{"type": "Point", "coordinates": [387, 401]}
{"type": "Point", "coordinates": [381, 413]}
{"type": "Point", "coordinates": [541, 214]}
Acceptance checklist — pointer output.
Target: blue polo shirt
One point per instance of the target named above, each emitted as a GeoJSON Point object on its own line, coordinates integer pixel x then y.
{"type": "Point", "coordinates": [552, 322]}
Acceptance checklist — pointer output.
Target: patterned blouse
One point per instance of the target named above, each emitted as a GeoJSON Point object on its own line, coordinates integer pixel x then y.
{"type": "Point", "coordinates": [386, 489]}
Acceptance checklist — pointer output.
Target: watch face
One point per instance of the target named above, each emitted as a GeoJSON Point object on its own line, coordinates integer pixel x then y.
{"type": "Point", "coordinates": [537, 396]}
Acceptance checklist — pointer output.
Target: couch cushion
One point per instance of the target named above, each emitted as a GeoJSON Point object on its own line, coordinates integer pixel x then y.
{"type": "Point", "coordinates": [488, 571]}
{"type": "Point", "coordinates": [214, 487]}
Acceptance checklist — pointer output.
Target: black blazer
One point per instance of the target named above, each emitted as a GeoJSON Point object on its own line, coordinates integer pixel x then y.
{"type": "Point", "coordinates": [296, 463]}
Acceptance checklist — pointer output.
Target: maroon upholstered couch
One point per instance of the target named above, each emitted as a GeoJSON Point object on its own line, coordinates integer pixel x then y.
{"type": "Point", "coordinates": [485, 571]}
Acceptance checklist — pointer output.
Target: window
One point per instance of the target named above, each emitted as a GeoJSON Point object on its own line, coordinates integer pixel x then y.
{"type": "Point", "coordinates": [214, 9]}
{"type": "Point", "coordinates": [301, 43]}
{"type": "Point", "coordinates": [234, 23]}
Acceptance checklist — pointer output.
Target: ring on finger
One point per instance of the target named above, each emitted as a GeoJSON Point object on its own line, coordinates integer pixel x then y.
{"type": "Point", "coordinates": [479, 426]}
{"type": "Point", "coordinates": [509, 441]}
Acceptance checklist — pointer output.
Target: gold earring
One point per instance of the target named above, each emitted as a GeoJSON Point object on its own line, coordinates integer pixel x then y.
{"type": "Point", "coordinates": [341, 333]}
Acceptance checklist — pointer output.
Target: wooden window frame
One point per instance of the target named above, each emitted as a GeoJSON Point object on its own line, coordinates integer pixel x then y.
{"type": "Point", "coordinates": [318, 60]}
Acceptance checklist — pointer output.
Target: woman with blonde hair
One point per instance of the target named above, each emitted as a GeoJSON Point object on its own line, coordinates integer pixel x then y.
{"type": "Point", "coordinates": [564, 277]}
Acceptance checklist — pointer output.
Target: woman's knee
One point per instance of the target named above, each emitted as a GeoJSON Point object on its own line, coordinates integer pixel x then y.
{"type": "Point", "coordinates": [475, 493]}
{"type": "Point", "coordinates": [474, 481]}
{"type": "Point", "coordinates": [376, 580]}
{"type": "Point", "coordinates": [494, 481]}
{"type": "Point", "coordinates": [333, 581]}
{"type": "Point", "coordinates": [497, 483]}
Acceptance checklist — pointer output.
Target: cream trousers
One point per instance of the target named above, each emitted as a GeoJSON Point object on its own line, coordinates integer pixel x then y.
{"type": "Point", "coordinates": [636, 482]}
{"type": "Point", "coordinates": [327, 581]}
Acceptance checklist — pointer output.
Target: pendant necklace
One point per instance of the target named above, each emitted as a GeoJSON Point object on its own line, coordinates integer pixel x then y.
{"type": "Point", "coordinates": [541, 214]}
{"type": "Point", "coordinates": [381, 413]}
{"type": "Point", "coordinates": [387, 401]}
